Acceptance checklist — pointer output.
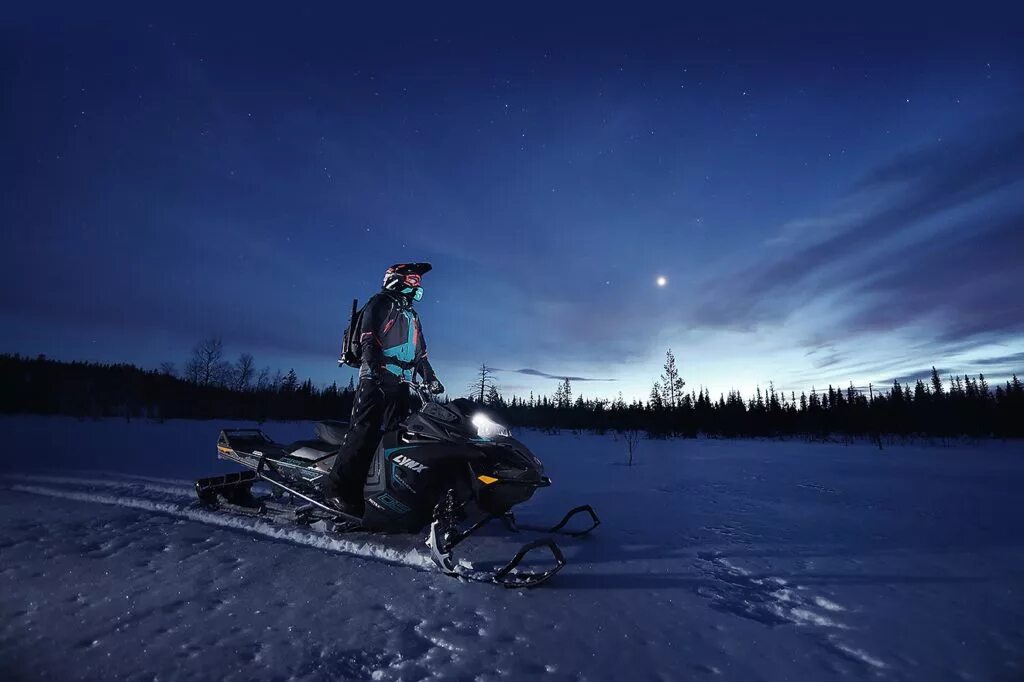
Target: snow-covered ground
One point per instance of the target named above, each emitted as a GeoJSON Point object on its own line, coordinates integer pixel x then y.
{"type": "Point", "coordinates": [735, 560]}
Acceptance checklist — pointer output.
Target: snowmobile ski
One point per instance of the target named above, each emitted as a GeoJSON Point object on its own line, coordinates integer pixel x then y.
{"type": "Point", "coordinates": [444, 536]}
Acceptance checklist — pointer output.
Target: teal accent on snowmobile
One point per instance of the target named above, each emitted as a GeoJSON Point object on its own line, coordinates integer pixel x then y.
{"type": "Point", "coordinates": [394, 466]}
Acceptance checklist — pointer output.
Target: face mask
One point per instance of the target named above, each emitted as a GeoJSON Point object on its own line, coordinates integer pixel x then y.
{"type": "Point", "coordinates": [417, 292]}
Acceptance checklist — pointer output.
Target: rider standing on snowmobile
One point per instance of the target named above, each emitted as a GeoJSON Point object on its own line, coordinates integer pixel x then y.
{"type": "Point", "coordinates": [393, 350]}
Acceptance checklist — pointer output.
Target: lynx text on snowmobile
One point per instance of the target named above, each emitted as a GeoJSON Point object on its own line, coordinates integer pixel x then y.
{"type": "Point", "coordinates": [444, 464]}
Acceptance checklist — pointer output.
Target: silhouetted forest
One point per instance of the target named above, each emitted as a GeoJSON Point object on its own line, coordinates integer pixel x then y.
{"type": "Point", "coordinates": [964, 406]}
{"type": "Point", "coordinates": [968, 407]}
{"type": "Point", "coordinates": [85, 389]}
{"type": "Point", "coordinates": [214, 388]}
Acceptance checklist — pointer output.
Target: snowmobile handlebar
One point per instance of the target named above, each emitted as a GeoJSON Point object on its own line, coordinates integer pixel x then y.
{"type": "Point", "coordinates": [421, 390]}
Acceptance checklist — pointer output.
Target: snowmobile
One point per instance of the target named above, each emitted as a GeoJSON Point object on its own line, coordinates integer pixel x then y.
{"type": "Point", "coordinates": [444, 464]}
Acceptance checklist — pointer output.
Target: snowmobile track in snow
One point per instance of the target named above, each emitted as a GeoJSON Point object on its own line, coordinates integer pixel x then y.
{"type": "Point", "coordinates": [134, 485]}
{"type": "Point", "coordinates": [167, 496]}
{"type": "Point", "coordinates": [86, 491]}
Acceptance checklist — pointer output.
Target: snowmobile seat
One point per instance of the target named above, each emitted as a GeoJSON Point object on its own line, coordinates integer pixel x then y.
{"type": "Point", "coordinates": [331, 431]}
{"type": "Point", "coordinates": [311, 450]}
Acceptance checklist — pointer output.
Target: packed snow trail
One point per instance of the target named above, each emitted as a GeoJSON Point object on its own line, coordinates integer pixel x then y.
{"type": "Point", "coordinates": [333, 543]}
{"type": "Point", "coordinates": [173, 491]}
{"type": "Point", "coordinates": [402, 549]}
{"type": "Point", "coordinates": [735, 560]}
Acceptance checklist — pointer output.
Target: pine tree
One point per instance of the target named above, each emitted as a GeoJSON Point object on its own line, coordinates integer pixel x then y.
{"type": "Point", "coordinates": [483, 382]}
{"type": "Point", "coordinates": [671, 384]}
{"type": "Point", "coordinates": [896, 394]}
{"type": "Point", "coordinates": [566, 393]}
{"type": "Point", "coordinates": [290, 382]}
{"type": "Point", "coordinates": [560, 400]}
{"type": "Point", "coordinates": [920, 392]}
{"type": "Point", "coordinates": [655, 399]}
{"type": "Point", "coordinates": [773, 399]}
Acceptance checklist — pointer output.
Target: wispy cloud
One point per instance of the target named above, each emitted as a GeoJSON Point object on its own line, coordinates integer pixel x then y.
{"type": "Point", "coordinates": [920, 374]}
{"type": "Point", "coordinates": [1001, 360]}
{"type": "Point", "coordinates": [955, 238]}
{"type": "Point", "coordinates": [830, 360]}
{"type": "Point", "coordinates": [546, 375]}
{"type": "Point", "coordinates": [967, 285]}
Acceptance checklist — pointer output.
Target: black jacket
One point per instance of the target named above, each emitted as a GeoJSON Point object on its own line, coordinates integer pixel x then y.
{"type": "Point", "coordinates": [391, 339]}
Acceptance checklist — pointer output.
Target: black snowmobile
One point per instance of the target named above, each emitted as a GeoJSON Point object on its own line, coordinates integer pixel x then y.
{"type": "Point", "coordinates": [444, 464]}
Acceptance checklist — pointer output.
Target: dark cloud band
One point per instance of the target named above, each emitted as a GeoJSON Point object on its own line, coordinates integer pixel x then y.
{"type": "Point", "coordinates": [538, 373]}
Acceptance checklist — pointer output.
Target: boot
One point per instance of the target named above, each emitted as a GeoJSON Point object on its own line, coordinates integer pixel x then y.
{"type": "Point", "coordinates": [342, 505]}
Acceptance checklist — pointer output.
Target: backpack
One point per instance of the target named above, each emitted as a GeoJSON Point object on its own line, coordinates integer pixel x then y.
{"type": "Point", "coordinates": [351, 349]}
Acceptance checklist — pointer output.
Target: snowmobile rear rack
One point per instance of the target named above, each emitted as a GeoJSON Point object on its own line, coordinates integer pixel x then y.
{"type": "Point", "coordinates": [235, 487]}
{"type": "Point", "coordinates": [247, 434]}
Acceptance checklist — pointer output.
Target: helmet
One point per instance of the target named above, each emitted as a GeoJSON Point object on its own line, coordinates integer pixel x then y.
{"type": "Point", "coordinates": [405, 279]}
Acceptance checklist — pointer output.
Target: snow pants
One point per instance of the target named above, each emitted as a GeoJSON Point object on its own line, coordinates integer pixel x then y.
{"type": "Point", "coordinates": [376, 404]}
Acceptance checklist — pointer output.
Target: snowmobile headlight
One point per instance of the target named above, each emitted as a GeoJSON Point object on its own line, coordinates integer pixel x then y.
{"type": "Point", "coordinates": [487, 427]}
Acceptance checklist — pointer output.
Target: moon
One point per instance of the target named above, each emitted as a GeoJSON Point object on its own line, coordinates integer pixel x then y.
{"type": "Point", "coordinates": [661, 281]}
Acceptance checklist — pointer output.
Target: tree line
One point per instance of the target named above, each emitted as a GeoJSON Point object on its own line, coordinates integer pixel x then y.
{"type": "Point", "coordinates": [213, 386]}
{"type": "Point", "coordinates": [210, 386]}
{"type": "Point", "coordinates": [959, 406]}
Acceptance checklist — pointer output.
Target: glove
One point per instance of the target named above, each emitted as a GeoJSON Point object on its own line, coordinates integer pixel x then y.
{"type": "Point", "coordinates": [435, 386]}
{"type": "Point", "coordinates": [368, 373]}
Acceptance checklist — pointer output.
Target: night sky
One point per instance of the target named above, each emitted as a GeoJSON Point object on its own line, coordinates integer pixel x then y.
{"type": "Point", "coordinates": [829, 198]}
